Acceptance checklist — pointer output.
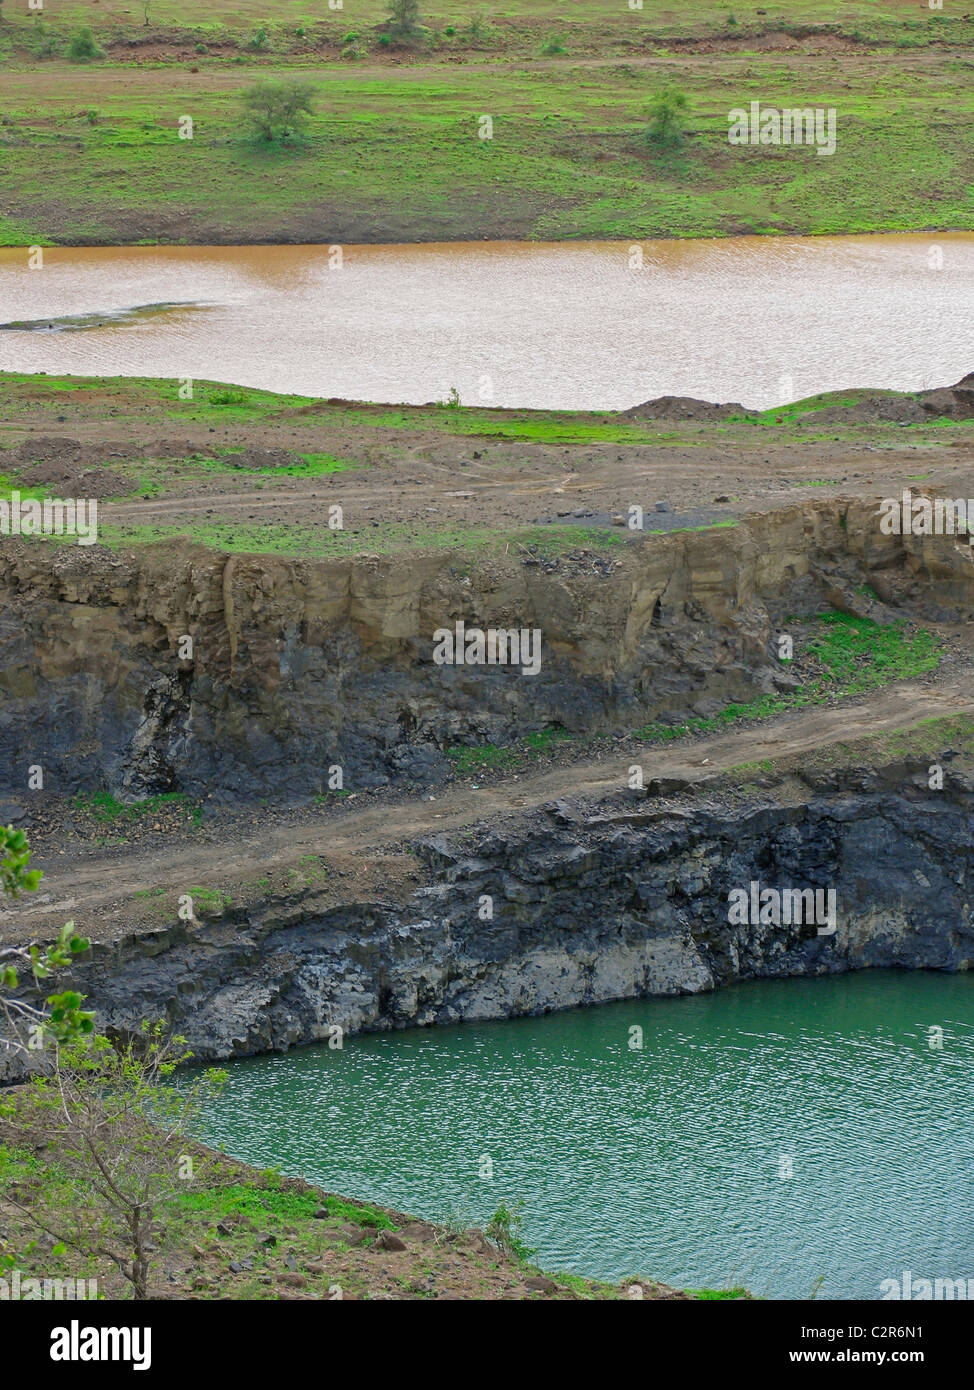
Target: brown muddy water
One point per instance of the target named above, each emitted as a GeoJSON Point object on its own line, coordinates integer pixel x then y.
{"type": "Point", "coordinates": [571, 325]}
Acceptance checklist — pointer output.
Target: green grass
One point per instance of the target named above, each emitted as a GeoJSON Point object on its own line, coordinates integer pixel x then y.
{"type": "Point", "coordinates": [258, 1203]}
{"type": "Point", "coordinates": [711, 1294]}
{"type": "Point", "coordinates": [476, 759]}
{"type": "Point", "coordinates": [855, 654]}
{"type": "Point", "coordinates": [727, 525]}
{"type": "Point", "coordinates": [9, 483]}
{"type": "Point", "coordinates": [227, 28]}
{"type": "Point", "coordinates": [282, 538]}
{"type": "Point", "coordinates": [545, 741]}
{"type": "Point", "coordinates": [579, 1286]}
{"type": "Point", "coordinates": [16, 1164]}
{"type": "Point", "coordinates": [311, 466]}
{"type": "Point", "coordinates": [209, 899]}
{"type": "Point", "coordinates": [555, 540]}
{"type": "Point", "coordinates": [146, 402]}
{"type": "Point", "coordinates": [397, 150]}
{"type": "Point", "coordinates": [800, 417]}
{"type": "Point", "coordinates": [921, 743]}
{"type": "Point", "coordinates": [529, 426]}
{"type": "Point", "coordinates": [108, 810]}
{"type": "Point", "coordinates": [925, 739]}
{"type": "Point", "coordinates": [469, 762]}
{"type": "Point", "coordinates": [331, 796]}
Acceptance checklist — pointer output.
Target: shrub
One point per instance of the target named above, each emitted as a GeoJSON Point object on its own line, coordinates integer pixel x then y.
{"type": "Point", "coordinates": [259, 40]}
{"type": "Point", "coordinates": [277, 111]}
{"type": "Point", "coordinates": [41, 41]}
{"type": "Point", "coordinates": [504, 1231]}
{"type": "Point", "coordinates": [82, 47]}
{"type": "Point", "coordinates": [404, 18]}
{"type": "Point", "coordinates": [60, 1016]}
{"type": "Point", "coordinates": [552, 46]}
{"type": "Point", "coordinates": [666, 112]}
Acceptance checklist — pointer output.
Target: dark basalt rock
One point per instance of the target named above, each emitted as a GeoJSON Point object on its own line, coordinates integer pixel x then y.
{"type": "Point", "coordinates": [583, 913]}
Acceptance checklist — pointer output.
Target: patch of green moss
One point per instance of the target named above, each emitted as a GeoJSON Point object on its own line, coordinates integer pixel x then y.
{"type": "Point", "coordinates": [856, 655]}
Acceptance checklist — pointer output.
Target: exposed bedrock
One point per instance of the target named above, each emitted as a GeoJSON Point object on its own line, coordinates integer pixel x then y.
{"type": "Point", "coordinates": [628, 903]}
{"type": "Point", "coordinates": [297, 665]}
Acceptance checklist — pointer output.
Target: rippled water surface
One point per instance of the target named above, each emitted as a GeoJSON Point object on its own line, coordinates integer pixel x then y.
{"type": "Point", "coordinates": [568, 325]}
{"type": "Point", "coordinates": [671, 1160]}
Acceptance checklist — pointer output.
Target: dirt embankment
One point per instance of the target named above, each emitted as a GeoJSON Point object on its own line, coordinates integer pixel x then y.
{"type": "Point", "coordinates": [301, 664]}
{"type": "Point", "coordinates": [581, 38]}
{"type": "Point", "coordinates": [255, 1236]}
{"type": "Point", "coordinates": [252, 676]}
{"type": "Point", "coordinates": [608, 892]}
{"type": "Point", "coordinates": [127, 878]}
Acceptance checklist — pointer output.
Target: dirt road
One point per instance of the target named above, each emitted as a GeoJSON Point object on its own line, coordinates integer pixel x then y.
{"type": "Point", "coordinates": [363, 847]}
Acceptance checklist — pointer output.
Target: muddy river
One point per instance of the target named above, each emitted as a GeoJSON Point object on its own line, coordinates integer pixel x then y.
{"type": "Point", "coordinates": [581, 325]}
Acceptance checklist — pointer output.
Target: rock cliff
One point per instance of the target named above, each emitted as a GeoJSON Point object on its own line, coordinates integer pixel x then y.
{"type": "Point", "coordinates": [562, 908]}
{"type": "Point", "coordinates": [297, 665]}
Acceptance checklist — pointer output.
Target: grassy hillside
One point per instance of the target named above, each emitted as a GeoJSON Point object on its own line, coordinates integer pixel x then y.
{"type": "Point", "coordinates": [597, 21]}
{"type": "Point", "coordinates": [258, 1235]}
{"type": "Point", "coordinates": [91, 151]}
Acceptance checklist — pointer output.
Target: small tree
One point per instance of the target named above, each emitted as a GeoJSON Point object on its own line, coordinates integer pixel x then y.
{"type": "Point", "coordinates": [82, 47]}
{"type": "Point", "coordinates": [118, 1128]}
{"type": "Point", "coordinates": [63, 1018]}
{"type": "Point", "coordinates": [404, 19]}
{"type": "Point", "coordinates": [278, 110]}
{"type": "Point", "coordinates": [666, 118]}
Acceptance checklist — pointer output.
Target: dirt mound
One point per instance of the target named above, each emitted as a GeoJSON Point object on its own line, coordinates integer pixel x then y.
{"type": "Point", "coordinates": [64, 480]}
{"type": "Point", "coordinates": [681, 408]}
{"type": "Point", "coordinates": [867, 407]}
{"type": "Point", "coordinates": [955, 402]}
{"type": "Point", "coordinates": [899, 408]}
{"type": "Point", "coordinates": [69, 468]}
{"type": "Point", "coordinates": [873, 408]}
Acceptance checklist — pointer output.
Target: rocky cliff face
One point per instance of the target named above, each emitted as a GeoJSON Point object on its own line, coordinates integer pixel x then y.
{"type": "Point", "coordinates": [562, 909]}
{"type": "Point", "coordinates": [297, 665]}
